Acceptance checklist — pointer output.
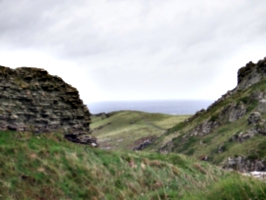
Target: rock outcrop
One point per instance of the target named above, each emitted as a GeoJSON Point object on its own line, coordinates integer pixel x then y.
{"type": "Point", "coordinates": [262, 106]}
{"type": "Point", "coordinates": [32, 100]}
{"type": "Point", "coordinates": [254, 118]}
{"type": "Point", "coordinates": [251, 74]}
{"type": "Point", "coordinates": [229, 108]}
{"type": "Point", "coordinates": [143, 145]}
{"type": "Point", "coordinates": [232, 112]}
{"type": "Point", "coordinates": [247, 76]}
{"type": "Point", "coordinates": [204, 128]}
{"type": "Point", "coordinates": [244, 164]}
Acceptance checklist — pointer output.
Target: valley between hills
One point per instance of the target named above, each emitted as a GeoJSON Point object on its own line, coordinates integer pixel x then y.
{"type": "Point", "coordinates": [48, 152]}
{"type": "Point", "coordinates": [125, 130]}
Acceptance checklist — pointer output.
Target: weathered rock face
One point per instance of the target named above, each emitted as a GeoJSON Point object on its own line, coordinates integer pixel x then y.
{"type": "Point", "coordinates": [243, 136]}
{"type": "Point", "coordinates": [257, 126]}
{"type": "Point", "coordinates": [246, 76]}
{"type": "Point", "coordinates": [244, 164]}
{"type": "Point", "coordinates": [262, 106]}
{"type": "Point", "coordinates": [143, 145]}
{"type": "Point", "coordinates": [205, 128]}
{"type": "Point", "coordinates": [254, 118]}
{"type": "Point", "coordinates": [251, 73]}
{"type": "Point", "coordinates": [33, 100]}
{"type": "Point", "coordinates": [229, 113]}
{"type": "Point", "coordinates": [232, 112]}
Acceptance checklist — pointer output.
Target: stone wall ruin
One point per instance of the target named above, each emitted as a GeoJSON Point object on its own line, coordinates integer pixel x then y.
{"type": "Point", "coordinates": [33, 100]}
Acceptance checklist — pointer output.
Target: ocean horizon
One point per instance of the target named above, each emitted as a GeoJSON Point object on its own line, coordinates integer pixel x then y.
{"type": "Point", "coordinates": [172, 107]}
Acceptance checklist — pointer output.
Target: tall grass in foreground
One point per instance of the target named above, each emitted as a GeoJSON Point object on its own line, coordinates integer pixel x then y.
{"type": "Point", "coordinates": [233, 188]}
{"type": "Point", "coordinates": [48, 167]}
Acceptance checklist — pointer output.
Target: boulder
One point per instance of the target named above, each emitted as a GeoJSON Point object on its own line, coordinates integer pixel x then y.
{"type": "Point", "coordinates": [232, 112]}
{"type": "Point", "coordinates": [247, 135]}
{"type": "Point", "coordinates": [244, 164]}
{"type": "Point", "coordinates": [82, 139]}
{"type": "Point", "coordinates": [254, 118]}
{"type": "Point", "coordinates": [204, 128]}
{"type": "Point", "coordinates": [143, 145]}
{"type": "Point", "coordinates": [262, 106]}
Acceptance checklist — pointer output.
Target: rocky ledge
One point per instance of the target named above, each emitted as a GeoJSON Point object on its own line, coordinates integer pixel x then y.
{"type": "Point", "coordinates": [251, 74]}
{"type": "Point", "coordinates": [33, 100]}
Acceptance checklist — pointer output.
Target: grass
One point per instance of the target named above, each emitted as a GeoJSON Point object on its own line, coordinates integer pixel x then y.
{"type": "Point", "coordinates": [124, 130]}
{"type": "Point", "coordinates": [233, 187]}
{"type": "Point", "coordinates": [49, 167]}
{"type": "Point", "coordinates": [180, 139]}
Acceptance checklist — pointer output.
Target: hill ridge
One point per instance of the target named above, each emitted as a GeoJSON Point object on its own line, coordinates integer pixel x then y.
{"type": "Point", "coordinates": [211, 133]}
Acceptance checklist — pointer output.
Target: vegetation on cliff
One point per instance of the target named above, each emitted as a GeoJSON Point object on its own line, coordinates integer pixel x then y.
{"type": "Point", "coordinates": [231, 132]}
{"type": "Point", "coordinates": [47, 166]}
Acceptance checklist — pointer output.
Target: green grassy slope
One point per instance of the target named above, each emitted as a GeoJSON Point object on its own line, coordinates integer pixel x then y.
{"type": "Point", "coordinates": [49, 167]}
{"type": "Point", "coordinates": [127, 129]}
{"type": "Point", "coordinates": [178, 139]}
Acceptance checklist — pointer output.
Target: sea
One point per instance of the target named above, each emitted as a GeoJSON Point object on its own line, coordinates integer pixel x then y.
{"type": "Point", "coordinates": [172, 107]}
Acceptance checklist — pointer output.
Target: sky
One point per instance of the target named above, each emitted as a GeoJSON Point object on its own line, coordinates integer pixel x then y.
{"type": "Point", "coordinates": [135, 49]}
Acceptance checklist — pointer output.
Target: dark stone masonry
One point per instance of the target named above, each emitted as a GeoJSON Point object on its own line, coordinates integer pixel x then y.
{"type": "Point", "coordinates": [33, 100]}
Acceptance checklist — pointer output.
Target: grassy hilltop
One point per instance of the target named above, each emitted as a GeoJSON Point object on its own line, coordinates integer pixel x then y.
{"type": "Point", "coordinates": [47, 166]}
{"type": "Point", "coordinates": [124, 130]}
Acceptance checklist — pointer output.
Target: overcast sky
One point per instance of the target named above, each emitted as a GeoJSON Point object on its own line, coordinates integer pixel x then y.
{"type": "Point", "coordinates": [135, 49]}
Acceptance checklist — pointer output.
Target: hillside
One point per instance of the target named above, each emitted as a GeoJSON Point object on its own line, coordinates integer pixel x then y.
{"type": "Point", "coordinates": [47, 166]}
{"type": "Point", "coordinates": [231, 132]}
{"type": "Point", "coordinates": [44, 164]}
{"type": "Point", "coordinates": [124, 130]}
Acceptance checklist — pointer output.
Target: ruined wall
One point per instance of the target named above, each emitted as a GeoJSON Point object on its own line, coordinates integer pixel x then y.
{"type": "Point", "coordinates": [33, 100]}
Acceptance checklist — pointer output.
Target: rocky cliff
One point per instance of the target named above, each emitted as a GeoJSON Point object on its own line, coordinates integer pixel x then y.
{"type": "Point", "coordinates": [32, 100]}
{"type": "Point", "coordinates": [246, 77]}
{"type": "Point", "coordinates": [251, 73]}
{"type": "Point", "coordinates": [230, 132]}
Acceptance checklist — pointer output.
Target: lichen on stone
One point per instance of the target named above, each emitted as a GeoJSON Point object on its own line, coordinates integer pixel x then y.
{"type": "Point", "coordinates": [33, 100]}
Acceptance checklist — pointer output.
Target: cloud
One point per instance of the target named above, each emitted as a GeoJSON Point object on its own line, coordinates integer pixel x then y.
{"type": "Point", "coordinates": [136, 49]}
